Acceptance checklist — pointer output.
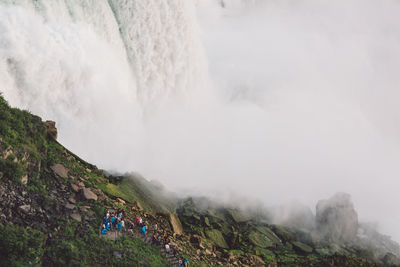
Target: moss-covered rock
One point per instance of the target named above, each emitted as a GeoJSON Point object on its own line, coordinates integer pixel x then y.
{"type": "Point", "coordinates": [260, 240]}
{"type": "Point", "coordinates": [302, 248]}
{"type": "Point", "coordinates": [217, 237]}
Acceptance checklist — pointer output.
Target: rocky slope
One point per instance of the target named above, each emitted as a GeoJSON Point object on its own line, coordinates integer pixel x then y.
{"type": "Point", "coordinates": [52, 204]}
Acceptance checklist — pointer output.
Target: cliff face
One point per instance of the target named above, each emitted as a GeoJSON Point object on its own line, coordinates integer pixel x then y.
{"type": "Point", "coordinates": [52, 203]}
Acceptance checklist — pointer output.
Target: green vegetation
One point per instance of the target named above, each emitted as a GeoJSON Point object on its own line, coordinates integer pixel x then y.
{"type": "Point", "coordinates": [20, 246]}
{"type": "Point", "coordinates": [11, 170]}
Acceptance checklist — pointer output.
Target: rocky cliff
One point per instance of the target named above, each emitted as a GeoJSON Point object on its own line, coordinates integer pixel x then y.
{"type": "Point", "coordinates": [52, 204]}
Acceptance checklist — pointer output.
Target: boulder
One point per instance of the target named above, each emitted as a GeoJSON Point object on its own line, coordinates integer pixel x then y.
{"type": "Point", "coordinates": [72, 200]}
{"type": "Point", "coordinates": [70, 206]}
{"type": "Point", "coordinates": [260, 240]}
{"type": "Point", "coordinates": [302, 248]}
{"type": "Point", "coordinates": [88, 194]}
{"type": "Point", "coordinates": [76, 216]}
{"type": "Point", "coordinates": [75, 188]}
{"type": "Point", "coordinates": [336, 219]}
{"type": "Point", "coordinates": [60, 170]}
{"type": "Point", "coordinates": [176, 224]}
{"type": "Point", "coordinates": [217, 237]}
{"type": "Point", "coordinates": [51, 129]}
{"type": "Point", "coordinates": [24, 179]}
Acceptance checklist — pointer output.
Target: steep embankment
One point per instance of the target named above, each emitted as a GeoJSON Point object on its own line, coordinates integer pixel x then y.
{"type": "Point", "coordinates": [52, 204]}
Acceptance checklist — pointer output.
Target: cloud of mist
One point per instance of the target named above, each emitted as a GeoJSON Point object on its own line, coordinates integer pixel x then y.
{"type": "Point", "coordinates": [324, 77]}
{"type": "Point", "coordinates": [301, 102]}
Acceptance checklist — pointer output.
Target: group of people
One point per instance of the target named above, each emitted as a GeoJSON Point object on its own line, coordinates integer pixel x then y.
{"type": "Point", "coordinates": [115, 222]}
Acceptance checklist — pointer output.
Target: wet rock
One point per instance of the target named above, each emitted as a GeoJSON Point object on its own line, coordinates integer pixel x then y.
{"type": "Point", "coordinates": [88, 194]}
{"type": "Point", "coordinates": [176, 224]}
{"type": "Point", "coordinates": [77, 217]}
{"type": "Point", "coordinates": [60, 170]}
{"type": "Point", "coordinates": [337, 219]}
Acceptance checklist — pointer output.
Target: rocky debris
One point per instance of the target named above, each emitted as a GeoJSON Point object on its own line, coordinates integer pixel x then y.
{"type": "Point", "coordinates": [257, 261]}
{"type": "Point", "coordinates": [51, 129]}
{"type": "Point", "coordinates": [337, 219]}
{"type": "Point", "coordinates": [88, 194]}
{"type": "Point", "coordinates": [76, 216]}
{"type": "Point", "coordinates": [60, 170]}
{"type": "Point", "coordinates": [176, 224]}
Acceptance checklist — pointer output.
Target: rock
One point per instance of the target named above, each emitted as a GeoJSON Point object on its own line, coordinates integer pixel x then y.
{"type": "Point", "coordinates": [75, 188]}
{"type": "Point", "coordinates": [88, 170]}
{"type": "Point", "coordinates": [260, 240]}
{"type": "Point", "coordinates": [303, 248]}
{"type": "Point", "coordinates": [337, 219]}
{"type": "Point", "coordinates": [70, 206]}
{"type": "Point", "coordinates": [88, 194]}
{"type": "Point", "coordinates": [8, 152]}
{"type": "Point", "coordinates": [217, 237]}
{"type": "Point", "coordinates": [80, 184]}
{"type": "Point", "coordinates": [72, 200]}
{"type": "Point", "coordinates": [390, 260]}
{"type": "Point", "coordinates": [121, 201]}
{"type": "Point", "coordinates": [25, 208]}
{"type": "Point", "coordinates": [24, 179]}
{"type": "Point", "coordinates": [60, 170]}
{"type": "Point", "coordinates": [176, 224]}
{"type": "Point", "coordinates": [51, 129]}
{"type": "Point", "coordinates": [76, 216]}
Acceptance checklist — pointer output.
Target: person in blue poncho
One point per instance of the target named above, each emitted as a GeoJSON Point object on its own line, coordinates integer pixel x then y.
{"type": "Point", "coordinates": [113, 222]}
{"type": "Point", "coordinates": [119, 226]}
{"type": "Point", "coordinates": [144, 230]}
{"type": "Point", "coordinates": [104, 231]}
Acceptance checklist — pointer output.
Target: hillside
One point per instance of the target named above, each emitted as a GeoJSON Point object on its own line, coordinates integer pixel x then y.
{"type": "Point", "coordinates": [53, 202]}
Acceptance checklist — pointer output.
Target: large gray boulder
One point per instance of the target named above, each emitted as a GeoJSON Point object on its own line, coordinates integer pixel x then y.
{"type": "Point", "coordinates": [336, 219]}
